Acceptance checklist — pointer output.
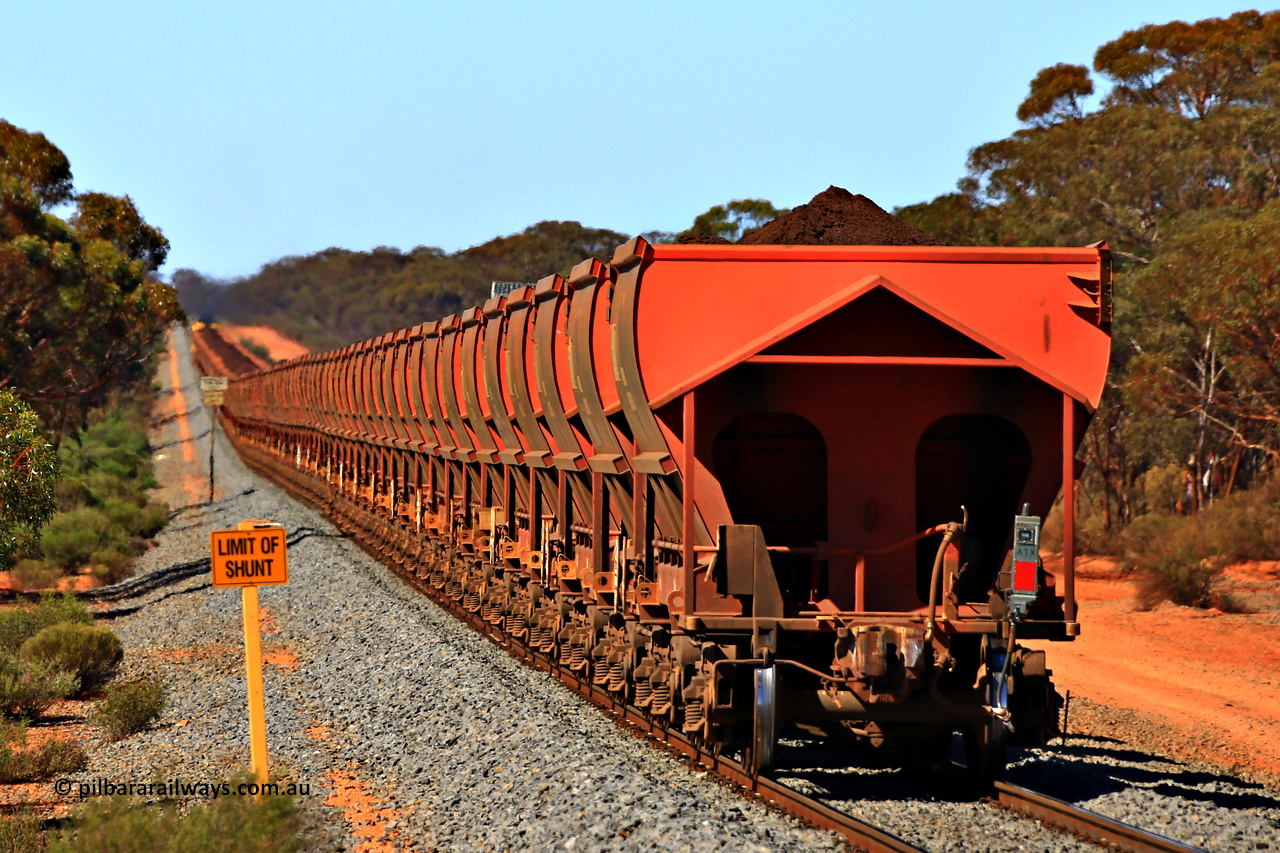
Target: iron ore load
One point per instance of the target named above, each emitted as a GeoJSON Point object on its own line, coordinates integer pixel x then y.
{"type": "Point", "coordinates": [740, 487]}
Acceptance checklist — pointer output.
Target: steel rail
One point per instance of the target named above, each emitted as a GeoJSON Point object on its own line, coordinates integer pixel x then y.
{"type": "Point", "coordinates": [1090, 825]}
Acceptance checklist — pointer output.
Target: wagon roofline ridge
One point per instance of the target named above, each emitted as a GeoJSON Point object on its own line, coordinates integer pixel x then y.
{"type": "Point", "coordinates": [670, 252]}
{"type": "Point", "coordinates": [838, 300]}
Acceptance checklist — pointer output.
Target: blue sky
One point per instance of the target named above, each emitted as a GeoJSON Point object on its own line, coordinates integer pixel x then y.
{"type": "Point", "coordinates": [250, 131]}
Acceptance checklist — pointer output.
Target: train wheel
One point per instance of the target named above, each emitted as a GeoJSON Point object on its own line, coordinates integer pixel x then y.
{"type": "Point", "coordinates": [764, 731]}
{"type": "Point", "coordinates": [987, 750]}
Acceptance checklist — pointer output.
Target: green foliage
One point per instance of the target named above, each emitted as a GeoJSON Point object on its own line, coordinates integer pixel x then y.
{"type": "Point", "coordinates": [1181, 558]}
{"type": "Point", "coordinates": [122, 512]}
{"type": "Point", "coordinates": [1124, 173]}
{"type": "Point", "coordinates": [150, 520]}
{"type": "Point", "coordinates": [1179, 574]}
{"type": "Point", "coordinates": [112, 448]}
{"type": "Point", "coordinates": [737, 219]}
{"type": "Point", "coordinates": [1216, 289]}
{"type": "Point", "coordinates": [64, 609]}
{"type": "Point", "coordinates": [28, 471]}
{"type": "Point", "coordinates": [956, 218]}
{"type": "Point", "coordinates": [104, 217]}
{"type": "Point", "coordinates": [229, 824]}
{"type": "Point", "coordinates": [90, 652]}
{"type": "Point", "coordinates": [16, 625]}
{"type": "Point", "coordinates": [28, 687]}
{"type": "Point", "coordinates": [257, 349]}
{"type": "Point", "coordinates": [1159, 488]}
{"type": "Point", "coordinates": [37, 164]}
{"type": "Point", "coordinates": [1194, 69]}
{"type": "Point", "coordinates": [109, 565]}
{"type": "Point", "coordinates": [130, 707]}
{"type": "Point", "coordinates": [1190, 124]}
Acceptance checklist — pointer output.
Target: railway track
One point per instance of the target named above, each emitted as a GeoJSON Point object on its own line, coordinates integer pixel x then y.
{"type": "Point", "coordinates": [1090, 825]}
{"type": "Point", "coordinates": [1052, 812]}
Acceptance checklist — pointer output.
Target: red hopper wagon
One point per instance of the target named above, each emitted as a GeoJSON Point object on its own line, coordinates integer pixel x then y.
{"type": "Point", "coordinates": [740, 487]}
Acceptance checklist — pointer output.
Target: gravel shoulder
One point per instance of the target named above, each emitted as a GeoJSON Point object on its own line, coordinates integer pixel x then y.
{"type": "Point", "coordinates": [1199, 686]}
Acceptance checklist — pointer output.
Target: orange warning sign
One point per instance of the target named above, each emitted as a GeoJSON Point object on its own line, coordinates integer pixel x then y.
{"type": "Point", "coordinates": [251, 556]}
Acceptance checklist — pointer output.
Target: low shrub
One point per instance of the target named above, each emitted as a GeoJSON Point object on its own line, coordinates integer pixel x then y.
{"type": "Point", "coordinates": [71, 494]}
{"type": "Point", "coordinates": [225, 825]}
{"type": "Point", "coordinates": [21, 833]}
{"type": "Point", "coordinates": [130, 707]}
{"type": "Point", "coordinates": [55, 609]}
{"type": "Point", "coordinates": [20, 762]}
{"type": "Point", "coordinates": [17, 624]}
{"type": "Point", "coordinates": [71, 538]}
{"type": "Point", "coordinates": [257, 349]}
{"type": "Point", "coordinates": [12, 733]}
{"type": "Point", "coordinates": [29, 687]}
{"type": "Point", "coordinates": [102, 496]}
{"type": "Point", "coordinates": [31, 575]}
{"type": "Point", "coordinates": [1145, 540]}
{"type": "Point", "coordinates": [90, 652]}
{"type": "Point", "coordinates": [1246, 525]}
{"type": "Point", "coordinates": [104, 489]}
{"type": "Point", "coordinates": [116, 444]}
{"type": "Point", "coordinates": [150, 520]}
{"type": "Point", "coordinates": [109, 565]}
{"type": "Point", "coordinates": [1182, 559]}
{"type": "Point", "coordinates": [1182, 577]}
{"type": "Point", "coordinates": [1177, 559]}
{"type": "Point", "coordinates": [1093, 536]}
{"type": "Point", "coordinates": [122, 512]}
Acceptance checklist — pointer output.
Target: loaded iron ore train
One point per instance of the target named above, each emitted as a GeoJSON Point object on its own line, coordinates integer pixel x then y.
{"type": "Point", "coordinates": [738, 487]}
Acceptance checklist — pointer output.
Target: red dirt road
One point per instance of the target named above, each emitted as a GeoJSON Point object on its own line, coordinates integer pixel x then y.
{"type": "Point", "coordinates": [279, 346]}
{"type": "Point", "coordinates": [1211, 679]}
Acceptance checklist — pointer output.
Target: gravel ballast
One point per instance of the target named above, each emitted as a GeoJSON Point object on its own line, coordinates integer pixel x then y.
{"type": "Point", "coordinates": [369, 683]}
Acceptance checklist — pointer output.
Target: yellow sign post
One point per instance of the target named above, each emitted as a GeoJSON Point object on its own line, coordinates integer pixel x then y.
{"type": "Point", "coordinates": [254, 554]}
{"type": "Point", "coordinates": [214, 396]}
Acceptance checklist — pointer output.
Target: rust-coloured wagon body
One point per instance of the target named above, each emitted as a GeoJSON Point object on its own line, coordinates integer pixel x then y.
{"type": "Point", "coordinates": [740, 486]}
